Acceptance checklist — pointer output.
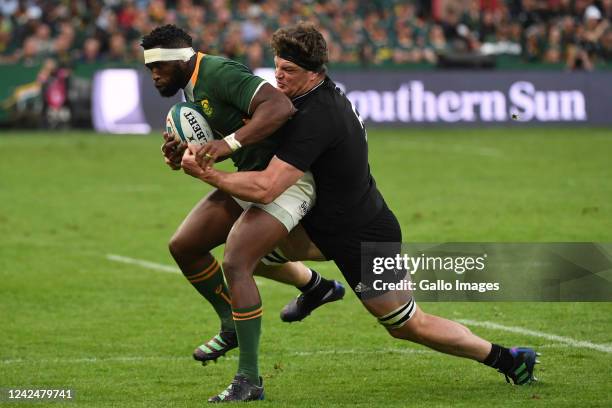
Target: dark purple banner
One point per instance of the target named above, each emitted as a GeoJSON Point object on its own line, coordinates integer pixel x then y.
{"type": "Point", "coordinates": [466, 98]}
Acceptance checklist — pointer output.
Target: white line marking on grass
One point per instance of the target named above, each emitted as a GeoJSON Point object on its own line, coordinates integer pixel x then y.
{"type": "Point", "coordinates": [145, 264]}
{"type": "Point", "coordinates": [136, 359]}
{"type": "Point", "coordinates": [552, 337]}
{"type": "Point", "coordinates": [155, 266]}
{"type": "Point", "coordinates": [90, 360]}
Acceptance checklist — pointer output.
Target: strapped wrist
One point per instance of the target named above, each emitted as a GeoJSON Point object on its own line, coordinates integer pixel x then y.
{"type": "Point", "coordinates": [232, 142]}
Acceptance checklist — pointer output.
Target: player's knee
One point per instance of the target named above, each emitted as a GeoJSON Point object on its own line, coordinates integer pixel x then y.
{"type": "Point", "coordinates": [230, 268]}
{"type": "Point", "coordinates": [414, 327]}
{"type": "Point", "coordinates": [411, 330]}
{"type": "Point", "coordinates": [178, 246]}
{"type": "Point", "coordinates": [397, 333]}
{"type": "Point", "coordinates": [236, 268]}
{"type": "Point", "coordinates": [186, 249]}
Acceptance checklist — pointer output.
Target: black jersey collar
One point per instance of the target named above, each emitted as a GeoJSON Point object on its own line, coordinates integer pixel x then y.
{"type": "Point", "coordinates": [312, 90]}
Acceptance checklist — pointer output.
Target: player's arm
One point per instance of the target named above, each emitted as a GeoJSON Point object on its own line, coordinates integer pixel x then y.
{"type": "Point", "coordinates": [254, 186]}
{"type": "Point", "coordinates": [269, 110]}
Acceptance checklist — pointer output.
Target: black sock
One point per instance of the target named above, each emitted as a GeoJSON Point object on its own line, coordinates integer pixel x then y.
{"type": "Point", "coordinates": [499, 358]}
{"type": "Point", "coordinates": [317, 287]}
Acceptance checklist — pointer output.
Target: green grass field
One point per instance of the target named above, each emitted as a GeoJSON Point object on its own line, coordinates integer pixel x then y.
{"type": "Point", "coordinates": [122, 335]}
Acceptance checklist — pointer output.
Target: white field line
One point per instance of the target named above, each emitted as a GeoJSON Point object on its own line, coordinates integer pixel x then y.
{"type": "Point", "coordinates": [122, 359]}
{"type": "Point", "coordinates": [142, 263]}
{"type": "Point", "coordinates": [155, 266]}
{"type": "Point", "coordinates": [135, 359]}
{"type": "Point", "coordinates": [560, 341]}
{"type": "Point", "coordinates": [533, 333]}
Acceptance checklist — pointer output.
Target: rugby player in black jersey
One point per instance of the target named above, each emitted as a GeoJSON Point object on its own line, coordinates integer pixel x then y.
{"type": "Point", "coordinates": [327, 137]}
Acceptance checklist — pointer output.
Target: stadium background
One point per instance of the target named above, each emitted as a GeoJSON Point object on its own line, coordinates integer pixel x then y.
{"type": "Point", "coordinates": [87, 300]}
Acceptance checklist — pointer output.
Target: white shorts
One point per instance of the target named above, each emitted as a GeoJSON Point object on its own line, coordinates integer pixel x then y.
{"type": "Point", "coordinates": [291, 206]}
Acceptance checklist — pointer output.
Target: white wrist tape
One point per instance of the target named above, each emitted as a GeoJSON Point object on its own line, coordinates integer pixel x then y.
{"type": "Point", "coordinates": [168, 54]}
{"type": "Point", "coordinates": [232, 142]}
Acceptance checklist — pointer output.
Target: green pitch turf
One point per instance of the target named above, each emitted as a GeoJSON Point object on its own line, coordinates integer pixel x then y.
{"type": "Point", "coordinates": [122, 335]}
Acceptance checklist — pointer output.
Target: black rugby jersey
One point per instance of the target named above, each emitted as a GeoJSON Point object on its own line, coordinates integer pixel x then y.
{"type": "Point", "coordinates": [327, 137]}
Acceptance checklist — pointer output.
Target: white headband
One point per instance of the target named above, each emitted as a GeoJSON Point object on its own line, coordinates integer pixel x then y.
{"type": "Point", "coordinates": [168, 54]}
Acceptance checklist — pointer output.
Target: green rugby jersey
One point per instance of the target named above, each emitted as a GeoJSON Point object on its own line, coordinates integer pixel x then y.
{"type": "Point", "coordinates": [225, 88]}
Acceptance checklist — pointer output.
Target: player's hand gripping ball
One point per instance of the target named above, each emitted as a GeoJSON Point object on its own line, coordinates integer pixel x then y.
{"type": "Point", "coordinates": [172, 150]}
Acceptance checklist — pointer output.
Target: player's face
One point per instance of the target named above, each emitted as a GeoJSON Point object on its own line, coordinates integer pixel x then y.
{"type": "Point", "coordinates": [291, 79]}
{"type": "Point", "coordinates": [166, 77]}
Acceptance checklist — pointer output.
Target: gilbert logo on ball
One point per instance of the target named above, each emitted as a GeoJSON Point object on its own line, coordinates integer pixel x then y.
{"type": "Point", "coordinates": [185, 121]}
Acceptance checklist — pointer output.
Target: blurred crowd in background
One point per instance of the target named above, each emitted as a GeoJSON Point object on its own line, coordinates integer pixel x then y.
{"type": "Point", "coordinates": [573, 33]}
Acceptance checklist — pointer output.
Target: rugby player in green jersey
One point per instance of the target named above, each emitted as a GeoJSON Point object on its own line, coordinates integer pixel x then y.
{"type": "Point", "coordinates": [230, 96]}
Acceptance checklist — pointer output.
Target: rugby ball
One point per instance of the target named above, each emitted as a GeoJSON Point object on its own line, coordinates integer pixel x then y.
{"type": "Point", "coordinates": [185, 121]}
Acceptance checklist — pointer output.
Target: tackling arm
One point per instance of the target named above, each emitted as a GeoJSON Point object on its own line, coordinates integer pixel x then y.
{"type": "Point", "coordinates": [254, 186]}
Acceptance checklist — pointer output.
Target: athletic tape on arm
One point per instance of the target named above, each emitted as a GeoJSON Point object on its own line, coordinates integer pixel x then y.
{"type": "Point", "coordinates": [232, 142]}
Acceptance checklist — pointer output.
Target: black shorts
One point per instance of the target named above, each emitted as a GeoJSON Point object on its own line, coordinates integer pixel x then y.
{"type": "Point", "coordinates": [345, 250]}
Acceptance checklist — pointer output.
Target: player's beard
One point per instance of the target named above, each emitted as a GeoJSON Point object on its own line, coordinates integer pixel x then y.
{"type": "Point", "coordinates": [169, 90]}
{"type": "Point", "coordinates": [174, 85]}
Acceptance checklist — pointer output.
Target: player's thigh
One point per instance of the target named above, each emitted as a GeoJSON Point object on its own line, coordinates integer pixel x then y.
{"type": "Point", "coordinates": [209, 222]}
{"type": "Point", "coordinates": [252, 236]}
{"type": "Point", "coordinates": [355, 256]}
{"type": "Point", "coordinates": [366, 285]}
{"type": "Point", "coordinates": [298, 246]}
{"type": "Point", "coordinates": [387, 305]}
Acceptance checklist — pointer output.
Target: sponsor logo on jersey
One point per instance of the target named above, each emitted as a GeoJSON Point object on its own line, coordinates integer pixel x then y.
{"type": "Point", "coordinates": [207, 108]}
